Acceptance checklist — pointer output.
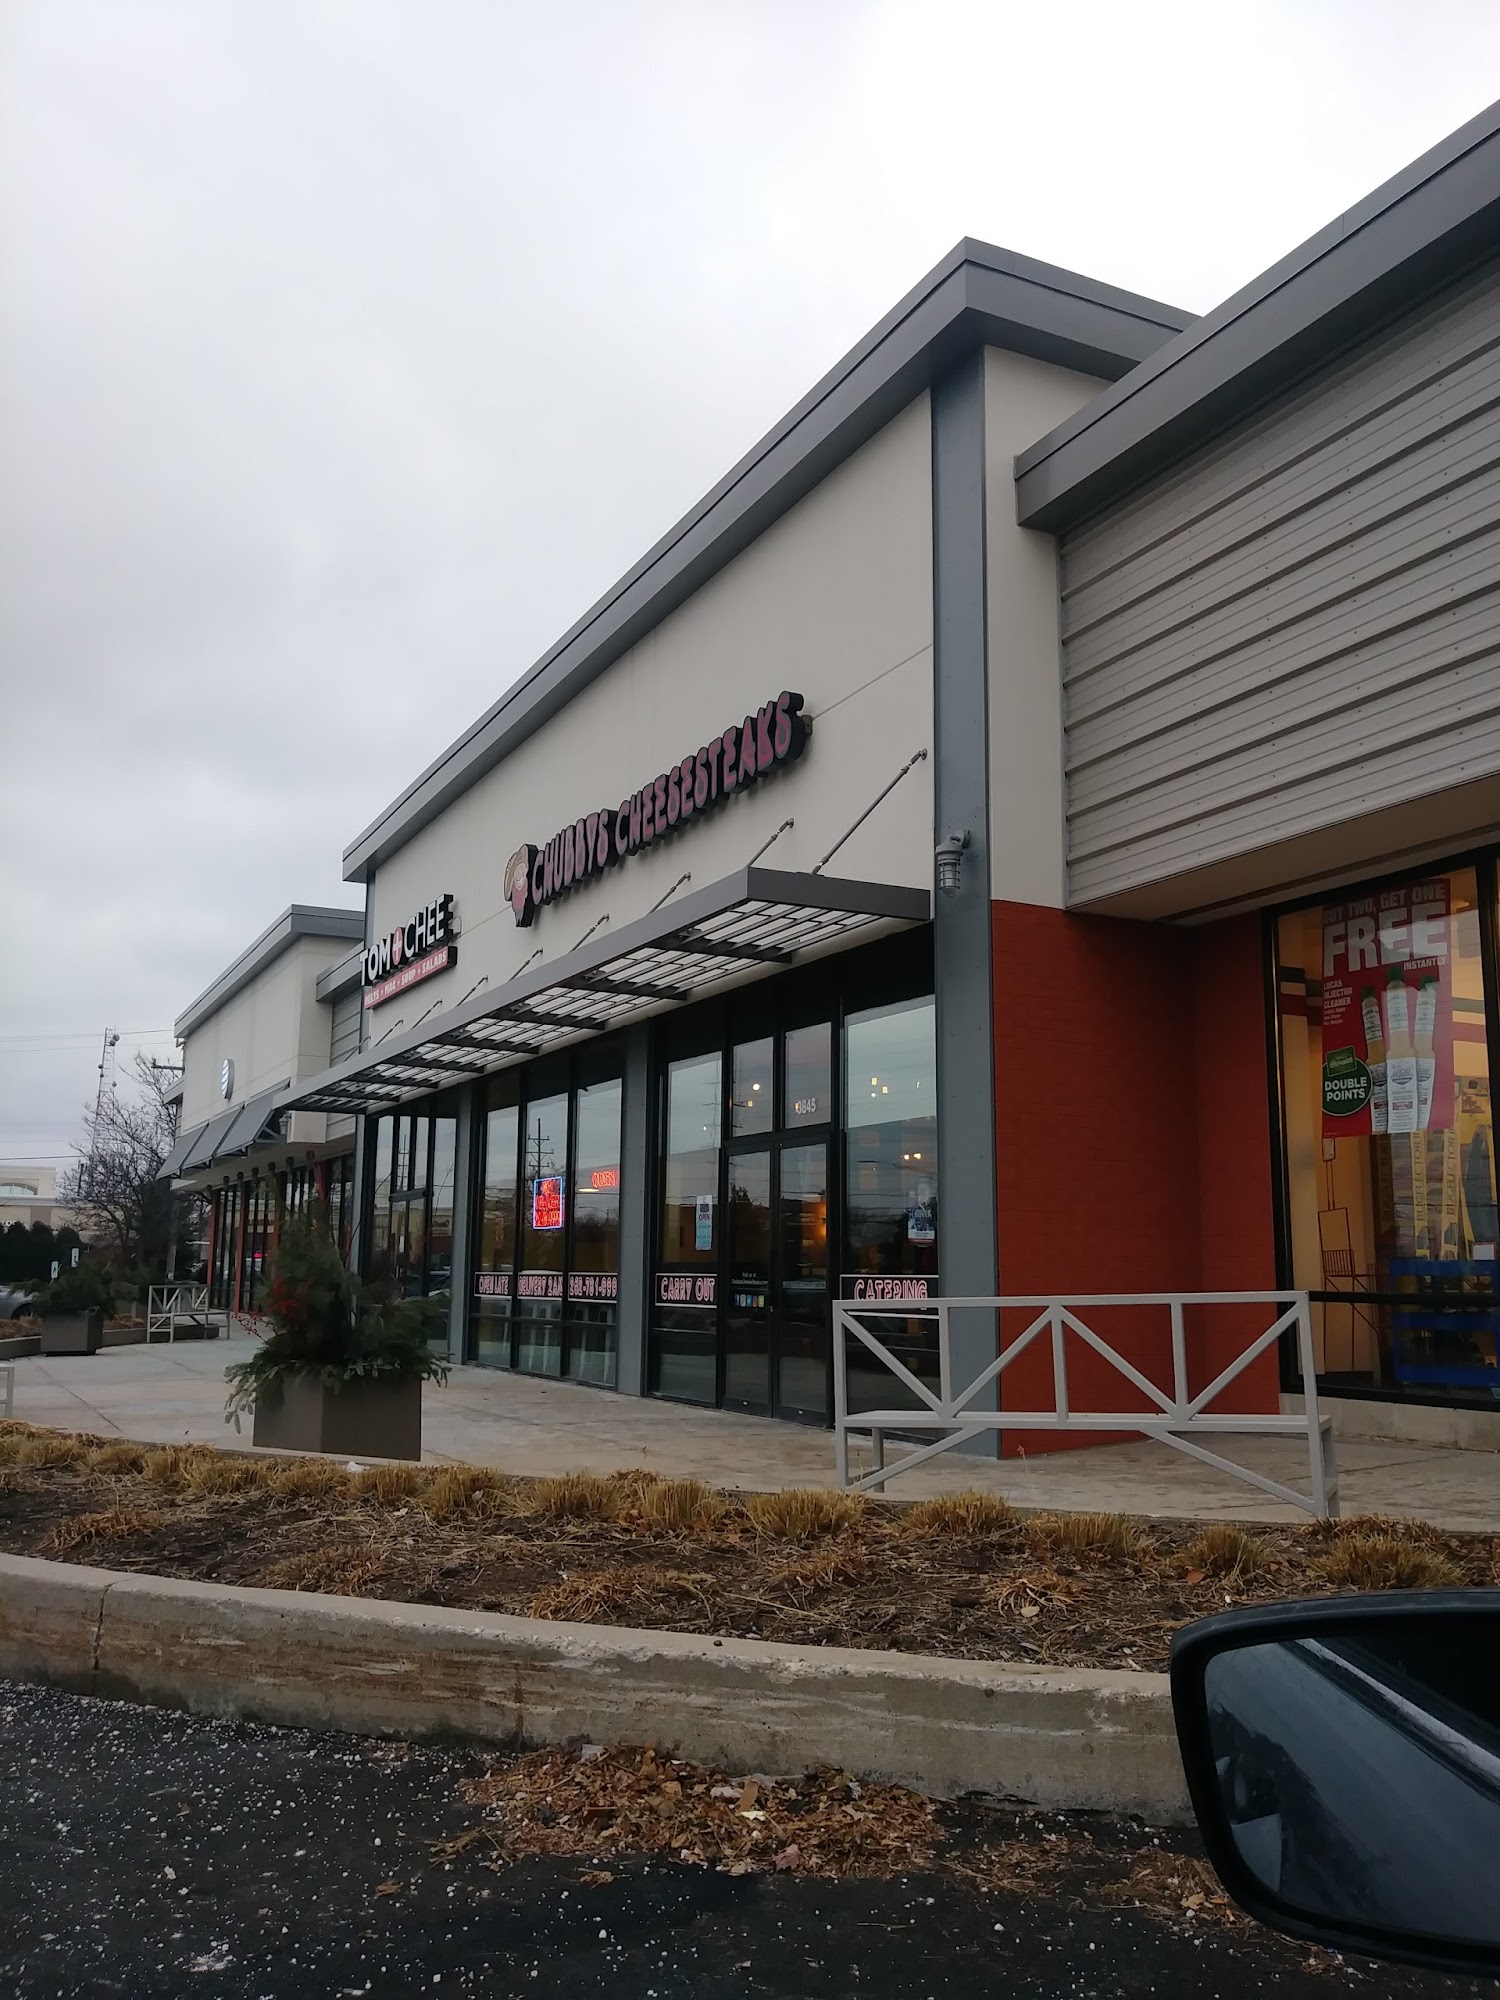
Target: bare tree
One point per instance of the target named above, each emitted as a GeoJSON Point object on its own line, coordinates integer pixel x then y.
{"type": "Point", "coordinates": [114, 1187]}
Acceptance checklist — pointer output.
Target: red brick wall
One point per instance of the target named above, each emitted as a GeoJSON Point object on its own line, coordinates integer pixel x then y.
{"type": "Point", "coordinates": [1133, 1139]}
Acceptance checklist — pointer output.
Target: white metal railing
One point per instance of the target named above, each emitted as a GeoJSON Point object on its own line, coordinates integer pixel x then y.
{"type": "Point", "coordinates": [165, 1302]}
{"type": "Point", "coordinates": [1175, 1417]}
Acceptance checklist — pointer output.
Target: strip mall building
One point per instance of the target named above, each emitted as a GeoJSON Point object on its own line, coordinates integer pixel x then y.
{"type": "Point", "coordinates": [1032, 828]}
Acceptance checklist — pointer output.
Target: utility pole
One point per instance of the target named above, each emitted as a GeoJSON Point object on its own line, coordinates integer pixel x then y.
{"type": "Point", "coordinates": [111, 1037]}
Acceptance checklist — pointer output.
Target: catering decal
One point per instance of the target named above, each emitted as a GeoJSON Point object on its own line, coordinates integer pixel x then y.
{"type": "Point", "coordinates": [1387, 1012]}
{"type": "Point", "coordinates": [774, 736]}
{"type": "Point", "coordinates": [413, 951]}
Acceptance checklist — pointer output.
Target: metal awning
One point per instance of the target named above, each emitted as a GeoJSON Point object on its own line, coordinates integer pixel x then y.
{"type": "Point", "coordinates": [756, 920]}
{"type": "Point", "coordinates": [235, 1131]}
{"type": "Point", "coordinates": [177, 1158]}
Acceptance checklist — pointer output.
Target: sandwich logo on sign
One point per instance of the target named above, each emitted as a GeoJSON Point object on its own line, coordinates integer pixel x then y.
{"type": "Point", "coordinates": [775, 735]}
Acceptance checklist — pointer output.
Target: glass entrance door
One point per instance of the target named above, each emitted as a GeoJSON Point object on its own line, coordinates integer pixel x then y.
{"type": "Point", "coordinates": [801, 1346]}
{"type": "Point", "coordinates": [747, 1310]}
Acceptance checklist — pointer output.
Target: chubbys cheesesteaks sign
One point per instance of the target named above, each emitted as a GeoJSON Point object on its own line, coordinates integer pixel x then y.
{"type": "Point", "coordinates": [748, 751]}
{"type": "Point", "coordinates": [413, 951]}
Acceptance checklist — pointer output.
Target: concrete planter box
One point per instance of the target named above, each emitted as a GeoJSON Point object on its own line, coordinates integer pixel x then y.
{"type": "Point", "coordinates": [16, 1346]}
{"type": "Point", "coordinates": [361, 1420]}
{"type": "Point", "coordinates": [73, 1333]}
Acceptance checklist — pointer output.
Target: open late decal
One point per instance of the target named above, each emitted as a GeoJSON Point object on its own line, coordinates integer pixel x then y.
{"type": "Point", "coordinates": [774, 735]}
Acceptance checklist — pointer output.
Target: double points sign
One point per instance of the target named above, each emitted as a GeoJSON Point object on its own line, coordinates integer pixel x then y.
{"type": "Point", "coordinates": [775, 735]}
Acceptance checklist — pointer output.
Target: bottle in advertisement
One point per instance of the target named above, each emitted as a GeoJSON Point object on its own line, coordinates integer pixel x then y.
{"type": "Point", "coordinates": [1400, 1056]}
{"type": "Point", "coordinates": [1369, 1007]}
{"type": "Point", "coordinates": [1426, 1054]}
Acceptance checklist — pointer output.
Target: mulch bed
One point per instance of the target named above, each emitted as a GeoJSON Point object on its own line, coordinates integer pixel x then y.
{"type": "Point", "coordinates": [967, 1578]}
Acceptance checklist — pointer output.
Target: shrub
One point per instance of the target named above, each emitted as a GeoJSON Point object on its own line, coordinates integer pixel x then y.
{"type": "Point", "coordinates": [390, 1485]}
{"type": "Point", "coordinates": [803, 1513]}
{"type": "Point", "coordinates": [465, 1489]}
{"type": "Point", "coordinates": [1225, 1550]}
{"type": "Point", "coordinates": [119, 1457]}
{"type": "Point", "coordinates": [973, 1512]}
{"type": "Point", "coordinates": [169, 1464]}
{"type": "Point", "coordinates": [222, 1472]}
{"type": "Point", "coordinates": [89, 1289]}
{"type": "Point", "coordinates": [326, 1324]}
{"type": "Point", "coordinates": [1385, 1562]}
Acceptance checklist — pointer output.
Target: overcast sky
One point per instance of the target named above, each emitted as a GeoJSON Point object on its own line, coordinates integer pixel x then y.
{"type": "Point", "coordinates": [349, 351]}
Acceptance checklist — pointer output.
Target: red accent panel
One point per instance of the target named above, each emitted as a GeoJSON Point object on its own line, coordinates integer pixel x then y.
{"type": "Point", "coordinates": [1133, 1146]}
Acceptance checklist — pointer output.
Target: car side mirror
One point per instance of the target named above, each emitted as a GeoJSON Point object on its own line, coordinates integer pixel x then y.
{"type": "Point", "coordinates": [1343, 1761]}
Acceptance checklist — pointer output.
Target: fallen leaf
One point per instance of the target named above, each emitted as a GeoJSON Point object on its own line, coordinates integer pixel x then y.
{"type": "Point", "coordinates": [672, 1789]}
{"type": "Point", "coordinates": [749, 1795]}
{"type": "Point", "coordinates": [596, 1877]}
{"type": "Point", "coordinates": [1031, 1611]}
{"type": "Point", "coordinates": [1195, 1576]}
{"type": "Point", "coordinates": [789, 1857]}
{"type": "Point", "coordinates": [388, 1888]}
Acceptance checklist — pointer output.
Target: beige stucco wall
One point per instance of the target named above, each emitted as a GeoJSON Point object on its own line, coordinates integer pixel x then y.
{"type": "Point", "coordinates": [1023, 400]}
{"type": "Point", "coordinates": [835, 602]}
{"type": "Point", "coordinates": [275, 1029]}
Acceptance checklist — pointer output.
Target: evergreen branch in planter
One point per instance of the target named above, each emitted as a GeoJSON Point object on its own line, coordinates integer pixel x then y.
{"type": "Point", "coordinates": [326, 1324]}
{"type": "Point", "coordinates": [86, 1290]}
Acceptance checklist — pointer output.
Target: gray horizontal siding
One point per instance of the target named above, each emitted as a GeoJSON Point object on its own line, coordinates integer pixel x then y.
{"type": "Point", "coordinates": [1303, 622]}
{"type": "Point", "coordinates": [344, 1036]}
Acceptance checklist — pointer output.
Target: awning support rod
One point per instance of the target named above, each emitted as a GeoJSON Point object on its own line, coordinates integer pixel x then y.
{"type": "Point", "coordinates": [880, 797]}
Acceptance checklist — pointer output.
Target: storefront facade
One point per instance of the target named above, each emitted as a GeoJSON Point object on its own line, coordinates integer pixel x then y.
{"type": "Point", "coordinates": [285, 1008]}
{"type": "Point", "coordinates": [1031, 829]}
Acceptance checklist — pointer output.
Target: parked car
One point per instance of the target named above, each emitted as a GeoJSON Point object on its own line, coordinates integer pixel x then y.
{"type": "Point", "coordinates": [15, 1301]}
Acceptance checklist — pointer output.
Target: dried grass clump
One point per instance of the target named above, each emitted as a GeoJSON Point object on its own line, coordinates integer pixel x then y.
{"type": "Point", "coordinates": [1225, 1550]}
{"type": "Point", "coordinates": [599, 1594]}
{"type": "Point", "coordinates": [1085, 1534]}
{"type": "Point", "coordinates": [49, 1448]}
{"type": "Point", "coordinates": [309, 1479]}
{"type": "Point", "coordinates": [803, 1513]}
{"type": "Point", "coordinates": [466, 1490]}
{"type": "Point", "coordinates": [391, 1485]}
{"type": "Point", "coordinates": [576, 1496]}
{"type": "Point", "coordinates": [966, 1514]}
{"type": "Point", "coordinates": [1385, 1562]}
{"type": "Point", "coordinates": [222, 1472]}
{"type": "Point", "coordinates": [110, 1524]}
{"type": "Point", "coordinates": [676, 1505]}
{"type": "Point", "coordinates": [114, 1459]}
{"type": "Point", "coordinates": [168, 1465]}
{"type": "Point", "coordinates": [343, 1569]}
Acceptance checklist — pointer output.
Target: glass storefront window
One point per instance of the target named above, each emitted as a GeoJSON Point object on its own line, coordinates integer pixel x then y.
{"type": "Point", "coordinates": [594, 1263]}
{"type": "Point", "coordinates": [544, 1221]}
{"type": "Point", "coordinates": [752, 1108]}
{"type": "Point", "coordinates": [494, 1268]}
{"type": "Point", "coordinates": [808, 1073]}
{"type": "Point", "coordinates": [1390, 1160]}
{"type": "Point", "coordinates": [890, 1056]}
{"type": "Point", "coordinates": [690, 1171]}
{"type": "Point", "coordinates": [440, 1222]}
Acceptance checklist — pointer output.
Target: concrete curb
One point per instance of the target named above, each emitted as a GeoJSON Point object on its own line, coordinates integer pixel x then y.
{"type": "Point", "coordinates": [1078, 1738]}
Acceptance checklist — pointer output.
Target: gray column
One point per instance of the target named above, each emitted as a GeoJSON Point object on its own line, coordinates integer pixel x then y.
{"type": "Point", "coordinates": [968, 1261]}
{"type": "Point", "coordinates": [635, 1219]}
{"type": "Point", "coordinates": [357, 1194]}
{"type": "Point", "coordinates": [463, 1223]}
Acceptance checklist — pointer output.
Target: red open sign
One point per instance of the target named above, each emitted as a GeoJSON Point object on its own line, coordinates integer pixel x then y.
{"type": "Point", "coordinates": [605, 1177]}
{"type": "Point", "coordinates": [547, 1202]}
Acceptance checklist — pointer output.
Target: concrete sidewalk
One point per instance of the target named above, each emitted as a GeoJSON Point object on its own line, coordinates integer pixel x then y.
{"type": "Point", "coordinates": [167, 1394]}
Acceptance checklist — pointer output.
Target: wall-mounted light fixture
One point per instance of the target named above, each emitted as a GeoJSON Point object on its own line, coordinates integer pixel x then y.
{"type": "Point", "coordinates": [949, 856]}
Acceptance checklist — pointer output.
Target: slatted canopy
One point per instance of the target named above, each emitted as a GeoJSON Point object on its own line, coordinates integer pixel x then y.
{"type": "Point", "coordinates": [756, 920]}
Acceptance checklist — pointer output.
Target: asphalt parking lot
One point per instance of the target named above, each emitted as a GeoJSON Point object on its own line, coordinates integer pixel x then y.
{"type": "Point", "coordinates": [146, 1853]}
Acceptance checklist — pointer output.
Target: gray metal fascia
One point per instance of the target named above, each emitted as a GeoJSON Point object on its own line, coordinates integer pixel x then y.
{"type": "Point", "coordinates": [1430, 223]}
{"type": "Point", "coordinates": [769, 885]}
{"type": "Point", "coordinates": [978, 295]}
{"type": "Point", "coordinates": [300, 920]}
{"type": "Point", "coordinates": [345, 972]}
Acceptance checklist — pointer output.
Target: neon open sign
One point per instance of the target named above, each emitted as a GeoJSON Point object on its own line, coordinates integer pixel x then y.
{"type": "Point", "coordinates": [547, 1202]}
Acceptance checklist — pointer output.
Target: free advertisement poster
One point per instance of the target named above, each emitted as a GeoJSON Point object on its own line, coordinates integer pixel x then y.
{"type": "Point", "coordinates": [1388, 1012]}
